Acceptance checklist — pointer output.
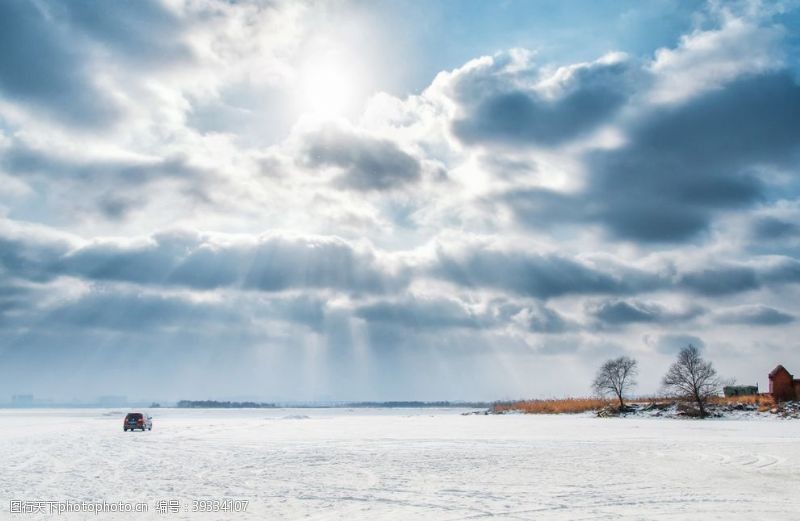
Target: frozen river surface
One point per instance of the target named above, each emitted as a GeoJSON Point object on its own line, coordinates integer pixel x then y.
{"type": "Point", "coordinates": [401, 464]}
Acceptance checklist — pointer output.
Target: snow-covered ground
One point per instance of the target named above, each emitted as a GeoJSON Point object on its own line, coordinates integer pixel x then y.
{"type": "Point", "coordinates": [403, 464]}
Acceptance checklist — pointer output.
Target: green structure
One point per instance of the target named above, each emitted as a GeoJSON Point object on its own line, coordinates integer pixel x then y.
{"type": "Point", "coordinates": [740, 390]}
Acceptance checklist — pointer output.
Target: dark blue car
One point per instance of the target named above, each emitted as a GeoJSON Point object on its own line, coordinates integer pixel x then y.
{"type": "Point", "coordinates": [137, 420]}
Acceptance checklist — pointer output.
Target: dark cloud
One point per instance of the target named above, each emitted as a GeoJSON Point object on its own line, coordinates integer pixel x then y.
{"type": "Point", "coordinates": [757, 315]}
{"type": "Point", "coordinates": [621, 312]}
{"type": "Point", "coordinates": [686, 163]}
{"type": "Point", "coordinates": [730, 278]}
{"type": "Point", "coordinates": [41, 67]}
{"type": "Point", "coordinates": [421, 313]}
{"type": "Point", "coordinates": [120, 310]}
{"type": "Point", "coordinates": [191, 260]}
{"type": "Point", "coordinates": [280, 263]}
{"type": "Point", "coordinates": [682, 165]}
{"type": "Point", "coordinates": [110, 187]}
{"type": "Point", "coordinates": [308, 310]}
{"type": "Point", "coordinates": [542, 208]}
{"type": "Point", "coordinates": [436, 313]}
{"type": "Point", "coordinates": [53, 53]}
{"type": "Point", "coordinates": [671, 344]}
{"type": "Point", "coordinates": [721, 280]}
{"type": "Point", "coordinates": [269, 264]}
{"type": "Point", "coordinates": [774, 228]}
{"type": "Point", "coordinates": [535, 317]}
{"type": "Point", "coordinates": [366, 163]}
{"type": "Point", "coordinates": [144, 32]}
{"type": "Point", "coordinates": [118, 206]}
{"type": "Point", "coordinates": [781, 270]}
{"type": "Point", "coordinates": [24, 161]}
{"type": "Point", "coordinates": [547, 276]}
{"type": "Point", "coordinates": [497, 111]}
{"type": "Point", "coordinates": [540, 276]}
{"type": "Point", "coordinates": [509, 168]}
{"type": "Point", "coordinates": [15, 297]}
{"type": "Point", "coordinates": [29, 255]}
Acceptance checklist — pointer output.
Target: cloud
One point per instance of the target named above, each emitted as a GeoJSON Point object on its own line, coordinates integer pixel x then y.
{"type": "Point", "coordinates": [441, 313]}
{"type": "Point", "coordinates": [24, 161]}
{"type": "Point", "coordinates": [721, 280]}
{"type": "Point", "coordinates": [670, 344]}
{"type": "Point", "coordinates": [139, 311]}
{"type": "Point", "coordinates": [15, 296]}
{"type": "Point", "coordinates": [27, 251]}
{"type": "Point", "coordinates": [767, 228]}
{"type": "Point", "coordinates": [498, 107]}
{"type": "Point", "coordinates": [681, 166]}
{"type": "Point", "coordinates": [551, 275]}
{"type": "Point", "coordinates": [732, 278]}
{"type": "Point", "coordinates": [204, 262]}
{"type": "Point", "coordinates": [41, 67]}
{"type": "Point", "coordinates": [139, 70]}
{"type": "Point", "coordinates": [265, 263]}
{"type": "Point", "coordinates": [534, 317]}
{"type": "Point", "coordinates": [147, 33]}
{"type": "Point", "coordinates": [124, 309]}
{"type": "Point", "coordinates": [780, 270]}
{"type": "Point", "coordinates": [622, 312]}
{"type": "Point", "coordinates": [423, 313]}
{"type": "Point", "coordinates": [707, 59]}
{"type": "Point", "coordinates": [277, 263]}
{"type": "Point", "coordinates": [363, 162]}
{"type": "Point", "coordinates": [84, 183]}
{"type": "Point", "coordinates": [530, 274]}
{"type": "Point", "coordinates": [755, 315]}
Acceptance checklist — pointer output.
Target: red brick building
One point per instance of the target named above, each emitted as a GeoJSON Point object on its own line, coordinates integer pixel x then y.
{"type": "Point", "coordinates": [782, 385]}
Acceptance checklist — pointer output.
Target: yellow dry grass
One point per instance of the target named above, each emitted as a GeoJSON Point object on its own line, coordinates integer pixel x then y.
{"type": "Point", "coordinates": [554, 406]}
{"type": "Point", "coordinates": [764, 402]}
{"type": "Point", "coordinates": [577, 405]}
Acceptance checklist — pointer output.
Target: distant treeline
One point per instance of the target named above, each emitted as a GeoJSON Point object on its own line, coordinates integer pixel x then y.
{"type": "Point", "coordinates": [419, 404]}
{"type": "Point", "coordinates": [213, 404]}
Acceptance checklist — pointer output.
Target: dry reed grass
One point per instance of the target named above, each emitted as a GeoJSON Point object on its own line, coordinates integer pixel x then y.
{"type": "Point", "coordinates": [764, 402]}
{"type": "Point", "coordinates": [553, 406]}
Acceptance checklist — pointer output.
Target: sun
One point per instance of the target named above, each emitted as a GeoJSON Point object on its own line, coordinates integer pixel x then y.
{"type": "Point", "coordinates": [328, 86]}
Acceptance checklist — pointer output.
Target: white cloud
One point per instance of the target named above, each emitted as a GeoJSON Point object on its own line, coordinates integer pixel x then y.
{"type": "Point", "coordinates": [708, 59]}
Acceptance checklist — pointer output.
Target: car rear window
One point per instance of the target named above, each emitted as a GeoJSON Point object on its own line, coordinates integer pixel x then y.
{"type": "Point", "coordinates": [133, 416]}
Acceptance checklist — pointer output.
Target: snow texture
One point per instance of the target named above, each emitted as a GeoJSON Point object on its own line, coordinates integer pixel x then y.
{"type": "Point", "coordinates": [404, 464]}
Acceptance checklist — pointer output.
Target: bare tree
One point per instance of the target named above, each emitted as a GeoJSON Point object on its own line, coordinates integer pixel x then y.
{"type": "Point", "coordinates": [692, 378]}
{"type": "Point", "coordinates": [616, 377]}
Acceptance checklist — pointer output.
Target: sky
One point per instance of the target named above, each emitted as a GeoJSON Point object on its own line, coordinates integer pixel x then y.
{"type": "Point", "coordinates": [394, 200]}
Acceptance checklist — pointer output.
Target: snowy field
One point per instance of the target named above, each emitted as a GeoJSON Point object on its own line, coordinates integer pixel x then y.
{"type": "Point", "coordinates": [403, 464]}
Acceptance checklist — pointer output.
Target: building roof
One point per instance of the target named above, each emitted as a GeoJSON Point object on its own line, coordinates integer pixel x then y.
{"type": "Point", "coordinates": [777, 370]}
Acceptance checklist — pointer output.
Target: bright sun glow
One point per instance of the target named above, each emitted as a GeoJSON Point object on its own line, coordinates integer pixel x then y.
{"type": "Point", "coordinates": [328, 86]}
